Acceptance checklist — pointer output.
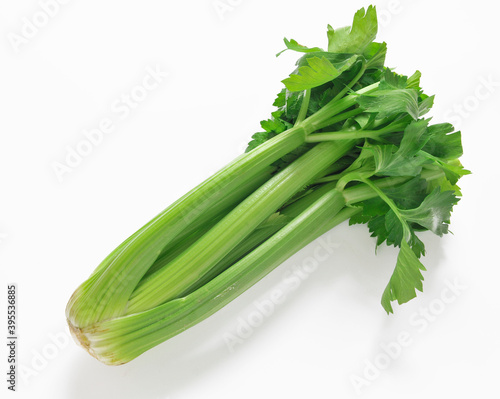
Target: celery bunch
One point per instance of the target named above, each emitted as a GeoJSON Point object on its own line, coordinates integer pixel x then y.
{"type": "Point", "coordinates": [347, 141]}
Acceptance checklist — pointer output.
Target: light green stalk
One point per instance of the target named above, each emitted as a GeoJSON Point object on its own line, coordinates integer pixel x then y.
{"type": "Point", "coordinates": [121, 339]}
{"type": "Point", "coordinates": [197, 260]}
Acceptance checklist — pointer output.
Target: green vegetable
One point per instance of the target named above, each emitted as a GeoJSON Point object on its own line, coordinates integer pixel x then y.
{"type": "Point", "coordinates": [347, 141]}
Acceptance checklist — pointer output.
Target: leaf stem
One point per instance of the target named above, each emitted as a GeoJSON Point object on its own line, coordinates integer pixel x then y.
{"type": "Point", "coordinates": [342, 135]}
{"type": "Point", "coordinates": [352, 82]}
{"type": "Point", "coordinates": [317, 120]}
{"type": "Point", "coordinates": [303, 107]}
{"type": "Point", "coordinates": [391, 204]}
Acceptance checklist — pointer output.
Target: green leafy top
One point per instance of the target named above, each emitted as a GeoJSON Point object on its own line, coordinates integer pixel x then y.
{"type": "Point", "coordinates": [348, 93]}
{"type": "Point", "coordinates": [424, 202]}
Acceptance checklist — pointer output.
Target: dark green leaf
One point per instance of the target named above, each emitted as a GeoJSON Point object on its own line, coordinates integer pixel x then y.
{"type": "Point", "coordinates": [273, 125]}
{"type": "Point", "coordinates": [434, 212]}
{"type": "Point", "coordinates": [443, 143]}
{"type": "Point", "coordinates": [392, 80]}
{"type": "Point", "coordinates": [408, 195]}
{"type": "Point", "coordinates": [403, 161]}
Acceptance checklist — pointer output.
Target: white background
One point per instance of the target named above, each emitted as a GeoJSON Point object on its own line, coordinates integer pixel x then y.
{"type": "Point", "coordinates": [222, 79]}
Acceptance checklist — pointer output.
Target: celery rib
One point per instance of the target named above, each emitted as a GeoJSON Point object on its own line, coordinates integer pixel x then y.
{"type": "Point", "coordinates": [121, 339]}
{"type": "Point", "coordinates": [197, 260]}
{"type": "Point", "coordinates": [109, 293]}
